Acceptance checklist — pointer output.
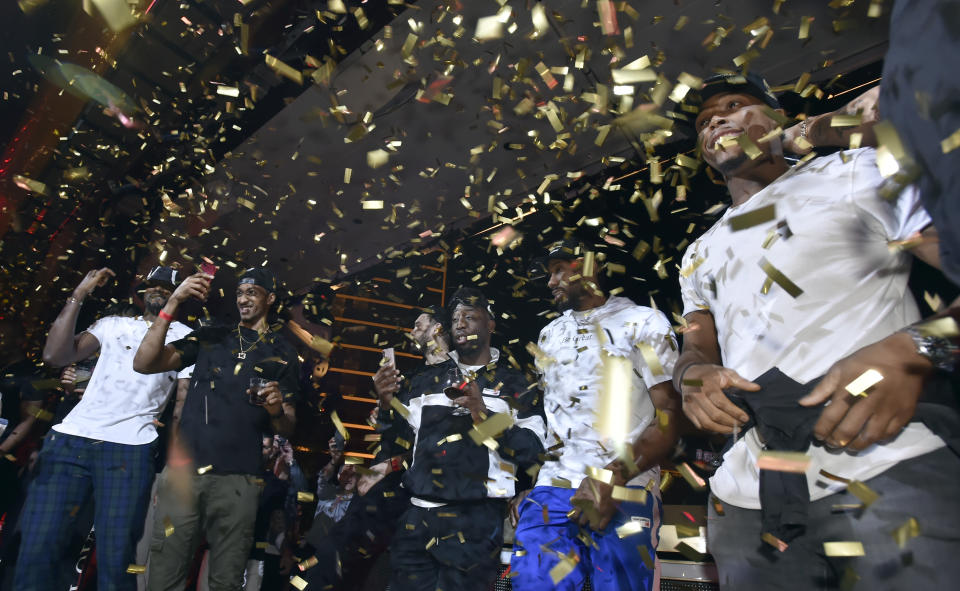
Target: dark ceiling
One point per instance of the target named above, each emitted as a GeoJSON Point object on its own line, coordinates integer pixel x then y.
{"type": "Point", "coordinates": [399, 103]}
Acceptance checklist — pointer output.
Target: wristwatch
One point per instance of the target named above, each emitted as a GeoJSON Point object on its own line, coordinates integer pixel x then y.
{"type": "Point", "coordinates": [941, 352]}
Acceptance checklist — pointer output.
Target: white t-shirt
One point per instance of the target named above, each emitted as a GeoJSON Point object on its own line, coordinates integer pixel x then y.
{"type": "Point", "coordinates": [830, 236]}
{"type": "Point", "coordinates": [571, 371]}
{"type": "Point", "coordinates": [119, 404]}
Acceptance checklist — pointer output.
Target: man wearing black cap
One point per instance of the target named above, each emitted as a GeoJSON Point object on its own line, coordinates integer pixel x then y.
{"type": "Point", "coordinates": [477, 427]}
{"type": "Point", "coordinates": [809, 264]}
{"type": "Point", "coordinates": [105, 446]}
{"type": "Point", "coordinates": [210, 484]}
{"type": "Point", "coordinates": [605, 366]}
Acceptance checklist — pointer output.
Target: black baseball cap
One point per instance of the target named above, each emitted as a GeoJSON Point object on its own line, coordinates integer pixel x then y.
{"type": "Point", "coordinates": [469, 296]}
{"type": "Point", "coordinates": [749, 83]}
{"type": "Point", "coordinates": [259, 276]}
{"type": "Point", "coordinates": [160, 276]}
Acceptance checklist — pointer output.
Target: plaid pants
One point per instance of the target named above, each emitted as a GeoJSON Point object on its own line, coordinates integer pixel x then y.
{"type": "Point", "coordinates": [71, 469]}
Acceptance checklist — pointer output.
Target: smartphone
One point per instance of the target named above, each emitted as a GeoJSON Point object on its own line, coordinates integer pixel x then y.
{"type": "Point", "coordinates": [389, 355]}
{"type": "Point", "coordinates": [208, 267]}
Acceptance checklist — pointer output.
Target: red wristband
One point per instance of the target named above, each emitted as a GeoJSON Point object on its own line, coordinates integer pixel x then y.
{"type": "Point", "coordinates": [395, 464]}
{"type": "Point", "coordinates": [165, 316]}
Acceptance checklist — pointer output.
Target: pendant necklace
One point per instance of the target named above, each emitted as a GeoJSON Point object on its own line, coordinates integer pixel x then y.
{"type": "Point", "coordinates": [241, 354]}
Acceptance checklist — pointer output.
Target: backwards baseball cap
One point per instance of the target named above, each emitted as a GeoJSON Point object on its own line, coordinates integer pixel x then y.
{"type": "Point", "coordinates": [471, 297]}
{"type": "Point", "coordinates": [749, 83]}
{"type": "Point", "coordinates": [259, 276]}
{"type": "Point", "coordinates": [160, 276]}
{"type": "Point", "coordinates": [566, 250]}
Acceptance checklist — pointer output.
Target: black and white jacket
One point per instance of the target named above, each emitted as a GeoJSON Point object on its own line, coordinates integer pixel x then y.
{"type": "Point", "coordinates": [447, 464]}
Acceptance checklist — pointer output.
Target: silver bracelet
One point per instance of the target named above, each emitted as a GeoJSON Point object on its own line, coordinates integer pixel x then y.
{"type": "Point", "coordinates": [803, 129]}
{"type": "Point", "coordinates": [73, 300]}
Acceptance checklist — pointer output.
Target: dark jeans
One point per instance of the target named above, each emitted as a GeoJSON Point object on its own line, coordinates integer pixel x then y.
{"type": "Point", "coordinates": [926, 488]}
{"type": "Point", "coordinates": [454, 548]}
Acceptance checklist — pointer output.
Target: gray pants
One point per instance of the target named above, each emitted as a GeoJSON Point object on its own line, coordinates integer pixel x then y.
{"type": "Point", "coordinates": [926, 488]}
{"type": "Point", "coordinates": [221, 506]}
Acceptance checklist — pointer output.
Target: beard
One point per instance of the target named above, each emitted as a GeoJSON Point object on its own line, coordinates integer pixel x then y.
{"type": "Point", "coordinates": [153, 306]}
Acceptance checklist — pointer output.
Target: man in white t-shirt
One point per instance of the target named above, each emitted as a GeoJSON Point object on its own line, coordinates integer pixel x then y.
{"type": "Point", "coordinates": [808, 265]}
{"type": "Point", "coordinates": [105, 446]}
{"type": "Point", "coordinates": [605, 365]}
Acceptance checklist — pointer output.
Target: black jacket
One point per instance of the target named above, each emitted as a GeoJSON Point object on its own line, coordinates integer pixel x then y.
{"type": "Point", "coordinates": [448, 465]}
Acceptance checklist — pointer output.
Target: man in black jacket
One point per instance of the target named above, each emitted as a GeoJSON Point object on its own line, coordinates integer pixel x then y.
{"type": "Point", "coordinates": [470, 446]}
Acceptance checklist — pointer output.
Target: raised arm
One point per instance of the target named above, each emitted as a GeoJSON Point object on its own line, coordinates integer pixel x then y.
{"type": "Point", "coordinates": [63, 345]}
{"type": "Point", "coordinates": [700, 378]}
{"type": "Point", "coordinates": [821, 130]}
{"type": "Point", "coordinates": [154, 356]}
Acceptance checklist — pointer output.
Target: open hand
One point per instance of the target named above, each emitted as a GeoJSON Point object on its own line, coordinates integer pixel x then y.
{"type": "Point", "coordinates": [706, 405]}
{"type": "Point", "coordinates": [93, 279]}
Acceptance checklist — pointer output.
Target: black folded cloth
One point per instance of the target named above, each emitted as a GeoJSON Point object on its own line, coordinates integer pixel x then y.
{"type": "Point", "coordinates": [783, 425]}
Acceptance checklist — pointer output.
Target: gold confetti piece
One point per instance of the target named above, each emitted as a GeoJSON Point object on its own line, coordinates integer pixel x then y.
{"type": "Point", "coordinates": [690, 552]}
{"type": "Point", "coordinates": [907, 531]}
{"type": "Point", "coordinates": [804, 32]}
{"type": "Point", "coordinates": [863, 492]}
{"type": "Point", "coordinates": [400, 408]}
{"type": "Point", "coordinates": [204, 469]}
{"type": "Point", "coordinates": [631, 76]}
{"type": "Point", "coordinates": [118, 14]}
{"type": "Point", "coordinates": [780, 279]}
{"type": "Point", "coordinates": [136, 569]}
{"type": "Point", "coordinates": [826, 474]}
{"type": "Point", "coordinates": [666, 481]}
{"type": "Point", "coordinates": [377, 158]}
{"type": "Point", "coordinates": [645, 557]}
{"type": "Point", "coordinates": [608, 17]}
{"type": "Point", "coordinates": [540, 23]}
{"type": "Point", "coordinates": [167, 527]}
{"type": "Point", "coordinates": [228, 91]}
{"type": "Point", "coordinates": [749, 147]}
{"type": "Point", "coordinates": [488, 28]}
{"type": "Point", "coordinates": [753, 218]}
{"type": "Point", "coordinates": [629, 528]}
{"type": "Point", "coordinates": [631, 495]}
{"type": "Point", "coordinates": [29, 184]}
{"type": "Point", "coordinates": [546, 514]}
{"type": "Point", "coordinates": [614, 397]}
{"type": "Point", "coordinates": [339, 426]}
{"type": "Point", "coordinates": [563, 568]}
{"type": "Point", "coordinates": [298, 582]}
{"type": "Point", "coordinates": [308, 563]}
{"type": "Point", "coordinates": [837, 549]}
{"type": "Point", "coordinates": [951, 142]}
{"type": "Point", "coordinates": [305, 497]}
{"type": "Point", "coordinates": [864, 382]}
{"type": "Point", "coordinates": [783, 461]}
{"type": "Point", "coordinates": [689, 269]}
{"type": "Point", "coordinates": [774, 541]}
{"type": "Point", "coordinates": [945, 328]}
{"type": "Point", "coordinates": [891, 155]}
{"type": "Point", "coordinates": [371, 204]}
{"type": "Point", "coordinates": [845, 120]}
{"type": "Point", "coordinates": [491, 428]}
{"type": "Point", "coordinates": [283, 69]}
{"type": "Point", "coordinates": [650, 358]}
{"type": "Point", "coordinates": [347, 173]}
{"type": "Point", "coordinates": [602, 474]}
{"type": "Point", "coordinates": [692, 478]}
{"type": "Point", "coordinates": [687, 531]}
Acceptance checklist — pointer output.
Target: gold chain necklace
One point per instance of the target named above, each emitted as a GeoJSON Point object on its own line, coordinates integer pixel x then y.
{"type": "Point", "coordinates": [243, 354]}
